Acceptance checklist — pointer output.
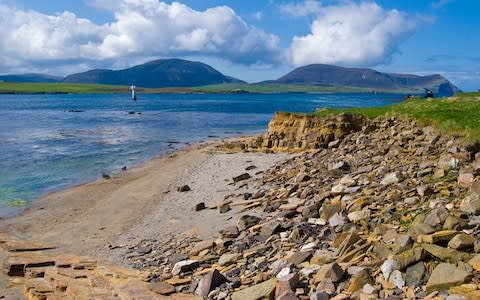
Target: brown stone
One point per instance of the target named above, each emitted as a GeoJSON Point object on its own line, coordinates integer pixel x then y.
{"type": "Point", "coordinates": [331, 271]}
{"type": "Point", "coordinates": [15, 264]}
{"type": "Point", "coordinates": [200, 246]}
{"type": "Point", "coordinates": [162, 288]}
{"type": "Point", "coordinates": [209, 282]}
{"type": "Point", "coordinates": [17, 245]}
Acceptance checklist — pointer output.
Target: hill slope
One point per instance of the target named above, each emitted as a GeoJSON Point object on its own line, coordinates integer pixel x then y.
{"type": "Point", "coordinates": [328, 75]}
{"type": "Point", "coordinates": [156, 74]}
{"type": "Point", "coordinates": [32, 77]}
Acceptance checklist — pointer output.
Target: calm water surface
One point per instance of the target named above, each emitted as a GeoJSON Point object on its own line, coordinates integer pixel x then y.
{"type": "Point", "coordinates": [45, 146]}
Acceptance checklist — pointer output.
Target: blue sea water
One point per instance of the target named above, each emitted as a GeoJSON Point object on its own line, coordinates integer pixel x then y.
{"type": "Point", "coordinates": [45, 146]}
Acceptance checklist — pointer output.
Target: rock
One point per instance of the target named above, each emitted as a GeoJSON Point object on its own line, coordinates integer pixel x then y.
{"type": "Point", "coordinates": [184, 266]}
{"type": "Point", "coordinates": [199, 206]}
{"type": "Point", "coordinates": [445, 276]}
{"type": "Point", "coordinates": [200, 246]}
{"type": "Point", "coordinates": [471, 204]}
{"type": "Point", "coordinates": [302, 177]}
{"type": "Point", "coordinates": [183, 188]}
{"type": "Point", "coordinates": [311, 210]}
{"type": "Point", "coordinates": [359, 280]}
{"type": "Point", "coordinates": [392, 178]}
{"type": "Point", "coordinates": [462, 242]}
{"type": "Point", "coordinates": [209, 282]}
{"type": "Point", "coordinates": [299, 257]}
{"type": "Point", "coordinates": [331, 271]}
{"type": "Point", "coordinates": [465, 180]}
{"type": "Point", "coordinates": [357, 216]}
{"type": "Point", "coordinates": [397, 279]}
{"type": "Point", "coordinates": [223, 207]}
{"type": "Point", "coordinates": [446, 254]}
{"type": "Point", "coordinates": [409, 257]}
{"type": "Point", "coordinates": [414, 275]}
{"type": "Point", "coordinates": [319, 296]}
{"type": "Point", "coordinates": [286, 283]}
{"type": "Point", "coordinates": [241, 177]}
{"type": "Point", "coordinates": [21, 245]}
{"type": "Point", "coordinates": [437, 216]}
{"type": "Point", "coordinates": [247, 221]}
{"type": "Point", "coordinates": [264, 290]}
{"type": "Point", "coordinates": [475, 262]}
{"type": "Point", "coordinates": [162, 288]}
{"type": "Point", "coordinates": [230, 232]}
{"type": "Point", "coordinates": [289, 295]}
{"type": "Point", "coordinates": [143, 250]}
{"type": "Point", "coordinates": [16, 263]}
{"type": "Point", "coordinates": [454, 223]}
{"type": "Point", "coordinates": [228, 258]}
{"type": "Point", "coordinates": [336, 220]}
{"type": "Point", "coordinates": [388, 267]}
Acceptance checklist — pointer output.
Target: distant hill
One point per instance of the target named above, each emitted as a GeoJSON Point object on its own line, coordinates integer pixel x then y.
{"type": "Point", "coordinates": [32, 77]}
{"type": "Point", "coordinates": [328, 75]}
{"type": "Point", "coordinates": [156, 74]}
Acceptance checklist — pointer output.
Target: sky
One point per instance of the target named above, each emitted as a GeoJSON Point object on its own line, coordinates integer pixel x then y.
{"type": "Point", "coordinates": [253, 40]}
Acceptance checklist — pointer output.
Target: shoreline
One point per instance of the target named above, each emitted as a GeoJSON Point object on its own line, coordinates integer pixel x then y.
{"type": "Point", "coordinates": [106, 211]}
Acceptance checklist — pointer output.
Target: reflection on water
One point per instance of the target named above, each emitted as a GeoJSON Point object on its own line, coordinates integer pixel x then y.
{"type": "Point", "coordinates": [48, 142]}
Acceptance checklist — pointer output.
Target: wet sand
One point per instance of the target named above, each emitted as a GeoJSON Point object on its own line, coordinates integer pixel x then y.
{"type": "Point", "coordinates": [140, 203]}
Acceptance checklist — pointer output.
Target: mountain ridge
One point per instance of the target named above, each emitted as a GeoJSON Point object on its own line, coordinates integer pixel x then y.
{"type": "Point", "coordinates": [179, 73]}
{"type": "Point", "coordinates": [330, 75]}
{"type": "Point", "coordinates": [156, 74]}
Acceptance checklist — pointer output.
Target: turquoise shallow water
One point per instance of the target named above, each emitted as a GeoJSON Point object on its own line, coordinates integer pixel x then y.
{"type": "Point", "coordinates": [45, 146]}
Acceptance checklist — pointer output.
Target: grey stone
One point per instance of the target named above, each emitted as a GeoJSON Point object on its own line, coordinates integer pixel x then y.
{"type": "Point", "coordinates": [331, 271]}
{"type": "Point", "coordinates": [184, 266]}
{"type": "Point", "coordinates": [437, 216]}
{"type": "Point", "coordinates": [241, 177]}
{"type": "Point", "coordinates": [183, 188]}
{"type": "Point", "coordinates": [392, 178]}
{"type": "Point", "coordinates": [462, 242]}
{"type": "Point", "coordinates": [445, 276]}
{"type": "Point", "coordinates": [264, 290]}
{"type": "Point", "coordinates": [414, 274]}
{"type": "Point", "coordinates": [228, 258]}
{"type": "Point", "coordinates": [209, 282]}
{"type": "Point", "coordinates": [247, 221]}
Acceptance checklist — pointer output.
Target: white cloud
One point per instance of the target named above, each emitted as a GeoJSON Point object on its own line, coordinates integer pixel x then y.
{"type": "Point", "coordinates": [352, 34]}
{"type": "Point", "coordinates": [301, 9]}
{"type": "Point", "coordinates": [141, 28]}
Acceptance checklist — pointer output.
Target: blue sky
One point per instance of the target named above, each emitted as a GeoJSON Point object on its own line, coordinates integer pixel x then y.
{"type": "Point", "coordinates": [251, 40]}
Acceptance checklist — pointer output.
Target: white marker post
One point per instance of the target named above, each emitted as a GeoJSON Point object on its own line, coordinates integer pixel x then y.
{"type": "Point", "coordinates": [134, 96]}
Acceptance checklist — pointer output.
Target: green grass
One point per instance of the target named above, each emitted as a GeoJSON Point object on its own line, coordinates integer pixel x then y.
{"type": "Point", "coordinates": [272, 88]}
{"type": "Point", "coordinates": [54, 88]}
{"type": "Point", "coordinates": [459, 116]}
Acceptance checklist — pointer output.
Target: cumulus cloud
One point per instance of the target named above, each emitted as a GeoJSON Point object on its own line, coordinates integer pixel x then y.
{"type": "Point", "coordinates": [354, 34]}
{"type": "Point", "coordinates": [301, 9]}
{"type": "Point", "coordinates": [141, 28]}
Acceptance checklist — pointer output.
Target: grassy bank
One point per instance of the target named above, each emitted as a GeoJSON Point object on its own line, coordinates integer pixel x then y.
{"type": "Point", "coordinates": [59, 88]}
{"type": "Point", "coordinates": [265, 88]}
{"type": "Point", "coordinates": [458, 115]}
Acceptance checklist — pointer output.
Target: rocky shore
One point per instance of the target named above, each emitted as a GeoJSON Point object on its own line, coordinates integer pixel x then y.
{"type": "Point", "coordinates": [366, 209]}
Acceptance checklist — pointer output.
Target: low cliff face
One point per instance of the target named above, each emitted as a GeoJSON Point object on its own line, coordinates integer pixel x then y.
{"type": "Point", "coordinates": [289, 131]}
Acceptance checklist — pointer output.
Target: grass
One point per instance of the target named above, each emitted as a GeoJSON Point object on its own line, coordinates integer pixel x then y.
{"type": "Point", "coordinates": [273, 88]}
{"type": "Point", "coordinates": [459, 116]}
{"type": "Point", "coordinates": [58, 88]}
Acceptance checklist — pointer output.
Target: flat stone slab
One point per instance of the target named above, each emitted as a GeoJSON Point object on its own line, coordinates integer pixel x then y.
{"type": "Point", "coordinates": [19, 245]}
{"type": "Point", "coordinates": [15, 264]}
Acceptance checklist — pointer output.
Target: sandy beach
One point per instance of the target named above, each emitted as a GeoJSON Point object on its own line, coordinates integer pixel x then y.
{"type": "Point", "coordinates": [140, 203]}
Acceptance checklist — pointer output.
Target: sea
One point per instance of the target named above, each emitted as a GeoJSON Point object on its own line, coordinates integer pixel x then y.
{"type": "Point", "coordinates": [50, 142]}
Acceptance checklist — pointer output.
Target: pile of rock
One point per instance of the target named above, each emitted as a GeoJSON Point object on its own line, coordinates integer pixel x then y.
{"type": "Point", "coordinates": [47, 276]}
{"type": "Point", "coordinates": [387, 211]}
